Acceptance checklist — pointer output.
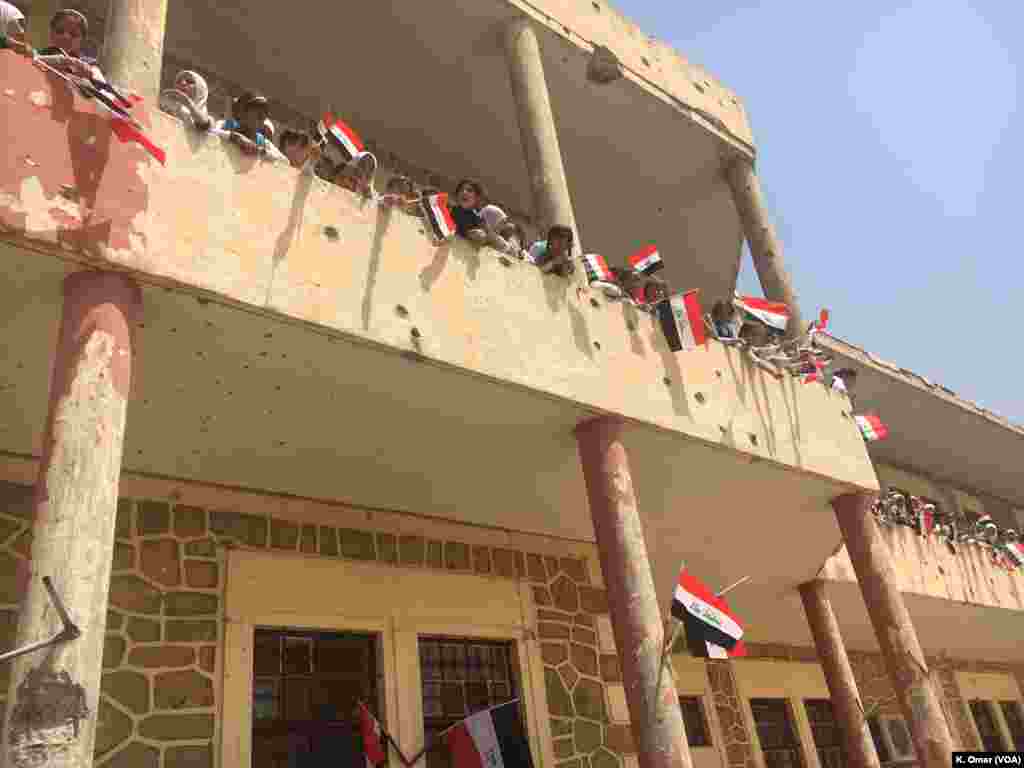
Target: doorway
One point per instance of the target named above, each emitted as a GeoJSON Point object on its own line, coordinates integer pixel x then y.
{"type": "Point", "coordinates": [306, 685]}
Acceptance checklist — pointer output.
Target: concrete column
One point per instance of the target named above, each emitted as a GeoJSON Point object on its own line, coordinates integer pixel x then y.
{"type": "Point", "coordinates": [53, 695]}
{"type": "Point", "coordinates": [133, 48]}
{"type": "Point", "coordinates": [37, 21]}
{"type": "Point", "coordinates": [765, 246]}
{"type": "Point", "coordinates": [901, 650]}
{"type": "Point", "coordinates": [636, 619]}
{"type": "Point", "coordinates": [551, 201]}
{"type": "Point", "coordinates": [842, 686]}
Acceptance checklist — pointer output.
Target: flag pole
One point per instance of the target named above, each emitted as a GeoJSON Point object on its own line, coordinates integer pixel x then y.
{"type": "Point", "coordinates": [438, 740]}
{"type": "Point", "coordinates": [661, 666]}
{"type": "Point", "coordinates": [733, 586]}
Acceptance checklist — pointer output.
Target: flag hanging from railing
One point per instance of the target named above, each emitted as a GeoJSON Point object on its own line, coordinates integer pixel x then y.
{"type": "Point", "coordinates": [439, 216]}
{"type": "Point", "coordinates": [341, 136]}
{"type": "Point", "coordinates": [597, 269]}
{"type": "Point", "coordinates": [372, 735]}
{"type": "Point", "coordinates": [774, 314]}
{"type": "Point", "coordinates": [122, 124]}
{"type": "Point", "coordinates": [647, 260]}
{"type": "Point", "coordinates": [493, 738]}
{"type": "Point", "coordinates": [682, 321]}
{"type": "Point", "coordinates": [871, 427]}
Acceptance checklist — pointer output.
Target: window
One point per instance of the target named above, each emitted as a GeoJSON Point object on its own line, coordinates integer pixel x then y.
{"type": "Point", "coordinates": [984, 719]}
{"type": "Point", "coordinates": [461, 677]}
{"type": "Point", "coordinates": [881, 745]}
{"type": "Point", "coordinates": [305, 688]}
{"type": "Point", "coordinates": [775, 731]}
{"type": "Point", "coordinates": [694, 721]}
{"type": "Point", "coordinates": [1014, 722]}
{"type": "Point", "coordinates": [828, 739]}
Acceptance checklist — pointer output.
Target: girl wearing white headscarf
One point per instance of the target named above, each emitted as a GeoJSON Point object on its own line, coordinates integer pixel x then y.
{"type": "Point", "coordinates": [187, 100]}
{"type": "Point", "coordinates": [12, 29]}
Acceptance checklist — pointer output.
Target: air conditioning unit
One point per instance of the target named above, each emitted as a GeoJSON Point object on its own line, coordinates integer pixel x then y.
{"type": "Point", "coordinates": [897, 739]}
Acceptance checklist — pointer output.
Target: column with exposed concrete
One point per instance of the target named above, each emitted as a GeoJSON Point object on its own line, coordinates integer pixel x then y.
{"type": "Point", "coordinates": [548, 183]}
{"type": "Point", "coordinates": [133, 47]}
{"type": "Point", "coordinates": [765, 246]}
{"type": "Point", "coordinates": [54, 693]}
{"type": "Point", "coordinates": [37, 21]}
{"type": "Point", "coordinates": [842, 685]}
{"type": "Point", "coordinates": [655, 716]}
{"type": "Point", "coordinates": [897, 639]}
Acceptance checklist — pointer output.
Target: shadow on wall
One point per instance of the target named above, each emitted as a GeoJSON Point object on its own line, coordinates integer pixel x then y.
{"type": "Point", "coordinates": [379, 230]}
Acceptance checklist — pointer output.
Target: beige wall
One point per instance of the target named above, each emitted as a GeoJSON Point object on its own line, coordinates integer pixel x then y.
{"type": "Point", "coordinates": [926, 566]}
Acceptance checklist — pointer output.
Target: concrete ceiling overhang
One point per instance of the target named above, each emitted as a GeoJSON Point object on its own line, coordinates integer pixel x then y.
{"type": "Point", "coordinates": [429, 82]}
{"type": "Point", "coordinates": [229, 396]}
{"type": "Point", "coordinates": [933, 432]}
{"type": "Point", "coordinates": [943, 627]}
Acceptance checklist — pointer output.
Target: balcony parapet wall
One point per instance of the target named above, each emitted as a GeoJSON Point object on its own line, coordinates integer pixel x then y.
{"type": "Point", "coordinates": [926, 566]}
{"type": "Point", "coordinates": [216, 222]}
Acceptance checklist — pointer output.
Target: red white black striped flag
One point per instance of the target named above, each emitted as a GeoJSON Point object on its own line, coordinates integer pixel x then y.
{"type": "Point", "coordinates": [682, 321]}
{"type": "Point", "coordinates": [439, 216]}
{"type": "Point", "coordinates": [341, 136]}
{"type": "Point", "coordinates": [772, 313]}
{"type": "Point", "coordinates": [712, 631]}
{"type": "Point", "coordinates": [647, 260]}
{"type": "Point", "coordinates": [491, 739]}
{"type": "Point", "coordinates": [871, 427]}
{"type": "Point", "coordinates": [372, 734]}
{"type": "Point", "coordinates": [597, 268]}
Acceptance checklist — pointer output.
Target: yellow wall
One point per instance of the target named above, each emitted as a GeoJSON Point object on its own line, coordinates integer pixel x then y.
{"type": "Point", "coordinates": [691, 678]}
{"type": "Point", "coordinates": [992, 687]}
{"type": "Point", "coordinates": [265, 589]}
{"type": "Point", "coordinates": [793, 681]}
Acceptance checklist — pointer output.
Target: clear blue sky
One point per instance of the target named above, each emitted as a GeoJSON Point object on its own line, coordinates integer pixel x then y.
{"type": "Point", "coordinates": [890, 152]}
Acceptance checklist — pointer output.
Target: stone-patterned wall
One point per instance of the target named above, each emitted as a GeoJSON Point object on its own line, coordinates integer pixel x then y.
{"type": "Point", "coordinates": [586, 701]}
{"type": "Point", "coordinates": [158, 692]}
{"type": "Point", "coordinates": [159, 699]}
{"type": "Point", "coordinates": [876, 690]}
{"type": "Point", "coordinates": [736, 740]}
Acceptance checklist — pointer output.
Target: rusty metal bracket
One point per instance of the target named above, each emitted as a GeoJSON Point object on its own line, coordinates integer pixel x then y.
{"type": "Point", "coordinates": [69, 631]}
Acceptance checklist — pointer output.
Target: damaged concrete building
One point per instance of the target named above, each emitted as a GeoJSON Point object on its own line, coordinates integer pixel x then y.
{"type": "Point", "coordinates": [280, 452]}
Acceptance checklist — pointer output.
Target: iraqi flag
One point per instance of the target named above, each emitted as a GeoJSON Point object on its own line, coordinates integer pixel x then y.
{"type": "Point", "coordinates": [597, 269]}
{"type": "Point", "coordinates": [712, 631]}
{"type": "Point", "coordinates": [1016, 552]}
{"type": "Point", "coordinates": [871, 427]}
{"type": "Point", "coordinates": [813, 371]}
{"type": "Point", "coordinates": [439, 216]}
{"type": "Point", "coordinates": [647, 260]}
{"type": "Point", "coordinates": [926, 519]}
{"type": "Point", "coordinates": [341, 136]}
{"type": "Point", "coordinates": [372, 734]}
{"type": "Point", "coordinates": [493, 738]}
{"type": "Point", "coordinates": [682, 321]}
{"type": "Point", "coordinates": [774, 314]}
{"type": "Point", "coordinates": [122, 124]}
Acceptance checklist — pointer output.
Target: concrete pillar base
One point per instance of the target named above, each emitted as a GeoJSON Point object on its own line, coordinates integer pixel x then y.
{"type": "Point", "coordinates": [657, 721]}
{"type": "Point", "coordinates": [53, 696]}
{"type": "Point", "coordinates": [897, 639]}
{"type": "Point", "coordinates": [842, 686]}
